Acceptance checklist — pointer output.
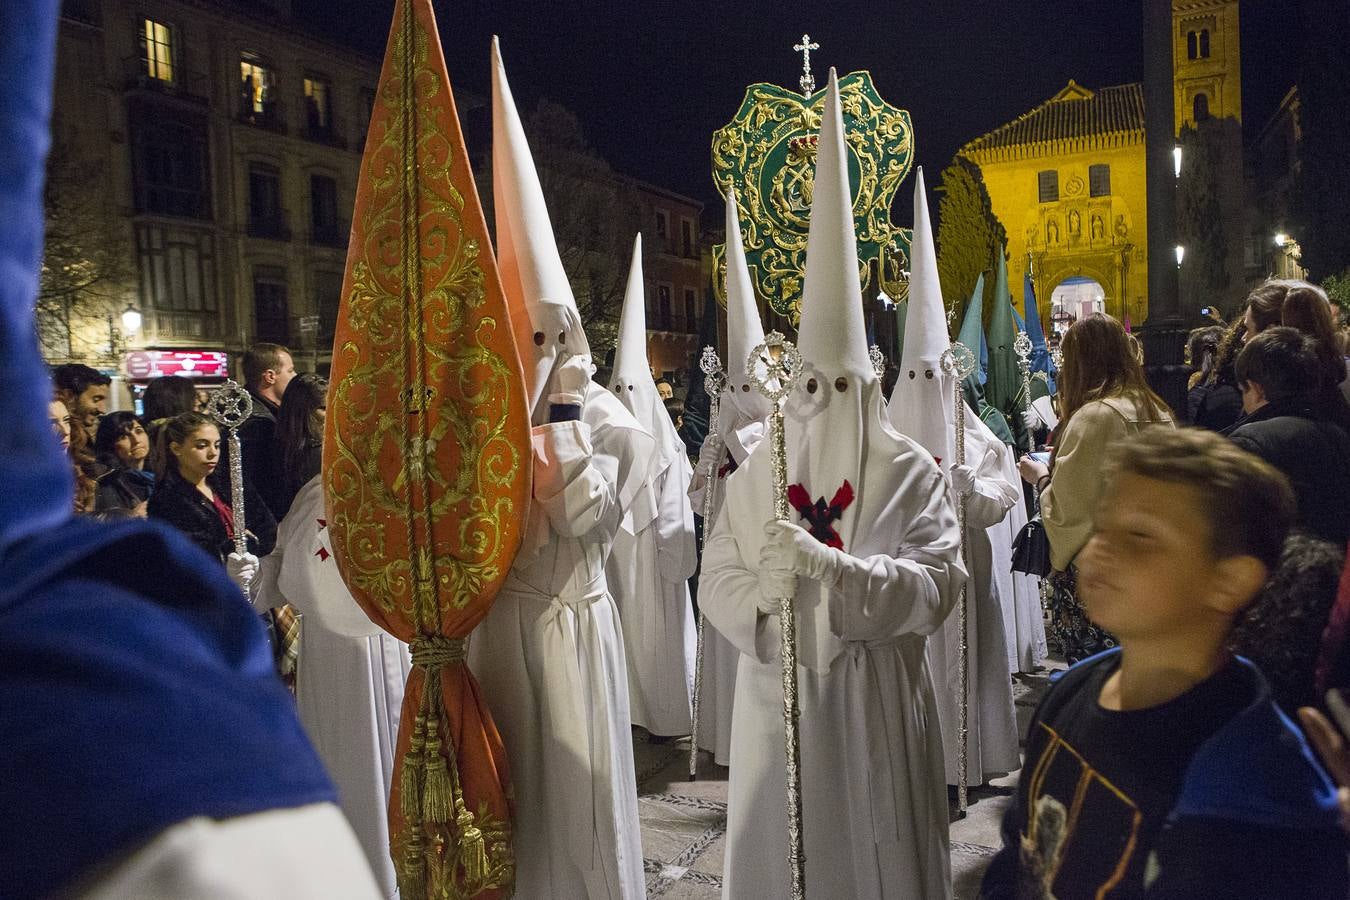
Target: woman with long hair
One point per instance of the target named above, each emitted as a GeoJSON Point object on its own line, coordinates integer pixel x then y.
{"type": "Point", "coordinates": [122, 447]}
{"type": "Point", "coordinates": [76, 451]}
{"type": "Point", "coordinates": [188, 451]}
{"type": "Point", "coordinates": [1280, 301]}
{"type": "Point", "coordinates": [164, 398]}
{"type": "Point", "coordinates": [1202, 353]}
{"type": "Point", "coordinates": [1104, 399]}
{"type": "Point", "coordinates": [300, 434]}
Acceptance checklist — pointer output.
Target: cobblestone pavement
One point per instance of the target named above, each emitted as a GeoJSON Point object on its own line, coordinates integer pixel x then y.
{"type": "Point", "coordinates": [684, 823]}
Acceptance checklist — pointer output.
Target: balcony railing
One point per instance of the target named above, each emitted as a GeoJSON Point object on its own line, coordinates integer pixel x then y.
{"type": "Point", "coordinates": [182, 83]}
{"type": "Point", "coordinates": [273, 226]}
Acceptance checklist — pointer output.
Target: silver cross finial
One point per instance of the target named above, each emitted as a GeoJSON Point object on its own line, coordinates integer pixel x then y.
{"type": "Point", "coordinates": [807, 81]}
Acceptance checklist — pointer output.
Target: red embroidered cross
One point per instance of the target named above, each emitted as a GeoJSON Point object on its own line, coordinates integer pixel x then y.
{"type": "Point", "coordinates": [729, 467]}
{"type": "Point", "coordinates": [322, 553]}
{"type": "Point", "coordinates": [819, 515]}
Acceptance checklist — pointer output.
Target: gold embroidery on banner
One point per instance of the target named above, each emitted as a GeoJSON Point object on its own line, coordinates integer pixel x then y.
{"type": "Point", "coordinates": [768, 153]}
{"type": "Point", "coordinates": [415, 296]}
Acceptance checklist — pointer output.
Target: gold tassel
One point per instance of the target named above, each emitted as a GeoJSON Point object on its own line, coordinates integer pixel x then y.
{"type": "Point", "coordinates": [472, 849]}
{"type": "Point", "coordinates": [436, 799]}
{"type": "Point", "coordinates": [410, 779]}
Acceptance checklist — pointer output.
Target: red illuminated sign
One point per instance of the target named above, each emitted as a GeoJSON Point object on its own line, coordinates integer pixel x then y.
{"type": "Point", "coordinates": [141, 365]}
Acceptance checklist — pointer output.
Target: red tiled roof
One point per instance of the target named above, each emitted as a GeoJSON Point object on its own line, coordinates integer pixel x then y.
{"type": "Point", "coordinates": [1075, 112]}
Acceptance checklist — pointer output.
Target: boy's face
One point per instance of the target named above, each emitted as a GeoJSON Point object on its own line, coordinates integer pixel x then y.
{"type": "Point", "coordinates": [1149, 567]}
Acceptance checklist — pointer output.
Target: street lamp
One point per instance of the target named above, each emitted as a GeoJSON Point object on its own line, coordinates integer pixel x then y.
{"type": "Point", "coordinates": [1181, 253]}
{"type": "Point", "coordinates": [1281, 239]}
{"type": "Point", "coordinates": [131, 320]}
{"type": "Point", "coordinates": [1176, 160]}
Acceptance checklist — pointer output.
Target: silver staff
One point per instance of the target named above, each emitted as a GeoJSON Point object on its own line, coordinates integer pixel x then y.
{"type": "Point", "coordinates": [714, 382]}
{"type": "Point", "coordinates": [774, 367]}
{"type": "Point", "coordinates": [1022, 344]}
{"type": "Point", "coordinates": [229, 406]}
{"type": "Point", "coordinates": [957, 360]}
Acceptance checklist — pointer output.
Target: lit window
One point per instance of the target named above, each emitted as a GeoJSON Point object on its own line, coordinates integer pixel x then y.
{"type": "Point", "coordinates": [157, 50]}
{"type": "Point", "coordinates": [256, 86]}
{"type": "Point", "coordinates": [318, 103]}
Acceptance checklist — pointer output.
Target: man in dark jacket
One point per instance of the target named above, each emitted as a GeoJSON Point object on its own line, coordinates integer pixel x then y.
{"type": "Point", "coordinates": [268, 369]}
{"type": "Point", "coordinates": [1278, 374]}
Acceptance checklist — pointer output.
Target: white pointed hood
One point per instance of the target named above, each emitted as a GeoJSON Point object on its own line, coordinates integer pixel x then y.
{"type": "Point", "coordinates": [827, 427]}
{"type": "Point", "coordinates": [742, 404]}
{"type": "Point", "coordinates": [544, 313]}
{"type": "Point", "coordinates": [632, 380]}
{"type": "Point", "coordinates": [921, 401]}
{"type": "Point", "coordinates": [837, 428]}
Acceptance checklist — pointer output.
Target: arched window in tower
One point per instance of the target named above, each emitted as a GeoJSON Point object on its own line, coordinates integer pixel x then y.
{"type": "Point", "coordinates": [1204, 43]}
{"type": "Point", "coordinates": [1200, 108]}
{"type": "Point", "coordinates": [1192, 45]}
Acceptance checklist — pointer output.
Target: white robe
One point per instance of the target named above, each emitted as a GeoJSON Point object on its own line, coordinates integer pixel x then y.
{"type": "Point", "coordinates": [306, 853]}
{"type": "Point", "coordinates": [349, 689]}
{"type": "Point", "coordinates": [717, 691]}
{"type": "Point", "coordinates": [550, 659]}
{"type": "Point", "coordinates": [875, 813]}
{"type": "Point", "coordinates": [1019, 593]}
{"type": "Point", "coordinates": [649, 575]}
{"type": "Point", "coordinates": [992, 738]}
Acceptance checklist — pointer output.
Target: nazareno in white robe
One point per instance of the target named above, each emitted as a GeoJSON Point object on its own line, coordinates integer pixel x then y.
{"type": "Point", "coordinates": [992, 738]}
{"type": "Point", "coordinates": [648, 574]}
{"type": "Point", "coordinates": [1019, 593]}
{"type": "Point", "coordinates": [717, 692]}
{"type": "Point", "coordinates": [550, 659]}
{"type": "Point", "coordinates": [349, 689]}
{"type": "Point", "coordinates": [874, 808]}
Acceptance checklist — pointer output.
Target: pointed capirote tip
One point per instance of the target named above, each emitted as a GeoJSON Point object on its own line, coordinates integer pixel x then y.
{"type": "Point", "coordinates": [637, 244]}
{"type": "Point", "coordinates": [834, 79]}
{"type": "Point", "coordinates": [731, 194]}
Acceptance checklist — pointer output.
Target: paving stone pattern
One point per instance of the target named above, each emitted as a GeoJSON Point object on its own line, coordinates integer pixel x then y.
{"type": "Point", "coordinates": [684, 823]}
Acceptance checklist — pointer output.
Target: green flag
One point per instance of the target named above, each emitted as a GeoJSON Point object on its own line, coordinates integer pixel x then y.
{"type": "Point", "coordinates": [1003, 387]}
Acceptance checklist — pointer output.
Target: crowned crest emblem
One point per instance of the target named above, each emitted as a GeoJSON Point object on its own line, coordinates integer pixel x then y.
{"type": "Point", "coordinates": [767, 152]}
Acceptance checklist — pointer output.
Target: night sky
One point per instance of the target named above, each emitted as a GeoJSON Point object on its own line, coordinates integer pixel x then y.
{"type": "Point", "coordinates": [651, 81]}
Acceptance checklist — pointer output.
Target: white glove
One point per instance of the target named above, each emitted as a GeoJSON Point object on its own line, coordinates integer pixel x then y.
{"type": "Point", "coordinates": [792, 548]}
{"type": "Point", "coordinates": [710, 455]}
{"type": "Point", "coordinates": [774, 584]}
{"type": "Point", "coordinates": [1031, 419]}
{"type": "Point", "coordinates": [963, 480]}
{"type": "Point", "coordinates": [568, 382]}
{"type": "Point", "coordinates": [242, 568]}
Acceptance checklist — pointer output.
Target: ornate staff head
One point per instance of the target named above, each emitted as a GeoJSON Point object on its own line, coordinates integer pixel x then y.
{"type": "Point", "coordinates": [958, 360]}
{"type": "Point", "coordinates": [878, 360]}
{"type": "Point", "coordinates": [229, 405]}
{"type": "Point", "coordinates": [773, 367]}
{"type": "Point", "coordinates": [1022, 344]}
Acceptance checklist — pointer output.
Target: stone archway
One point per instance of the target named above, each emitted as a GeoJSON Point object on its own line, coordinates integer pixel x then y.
{"type": "Point", "coordinates": [1072, 299]}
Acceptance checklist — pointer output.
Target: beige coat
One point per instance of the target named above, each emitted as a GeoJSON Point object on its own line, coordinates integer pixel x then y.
{"type": "Point", "coordinates": [1069, 503]}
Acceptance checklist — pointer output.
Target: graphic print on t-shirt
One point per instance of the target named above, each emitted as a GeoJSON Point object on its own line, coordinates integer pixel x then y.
{"type": "Point", "coordinates": [1071, 805]}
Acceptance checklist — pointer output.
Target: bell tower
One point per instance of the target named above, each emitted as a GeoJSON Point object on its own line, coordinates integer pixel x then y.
{"type": "Point", "coordinates": [1206, 63]}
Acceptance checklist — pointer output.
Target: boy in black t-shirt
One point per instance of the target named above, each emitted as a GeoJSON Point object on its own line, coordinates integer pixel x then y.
{"type": "Point", "coordinates": [1163, 768]}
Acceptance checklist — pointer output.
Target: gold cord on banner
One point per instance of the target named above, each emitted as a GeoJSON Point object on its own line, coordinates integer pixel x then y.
{"type": "Point", "coordinates": [431, 797]}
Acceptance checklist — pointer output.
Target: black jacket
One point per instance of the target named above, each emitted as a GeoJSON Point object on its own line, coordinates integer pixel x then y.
{"type": "Point", "coordinates": [1256, 816]}
{"type": "Point", "coordinates": [1214, 406]}
{"type": "Point", "coordinates": [261, 456]}
{"type": "Point", "coordinates": [187, 509]}
{"type": "Point", "coordinates": [1313, 454]}
{"type": "Point", "coordinates": [120, 490]}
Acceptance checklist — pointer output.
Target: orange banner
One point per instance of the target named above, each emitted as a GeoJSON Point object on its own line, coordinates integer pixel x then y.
{"type": "Point", "coordinates": [427, 460]}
